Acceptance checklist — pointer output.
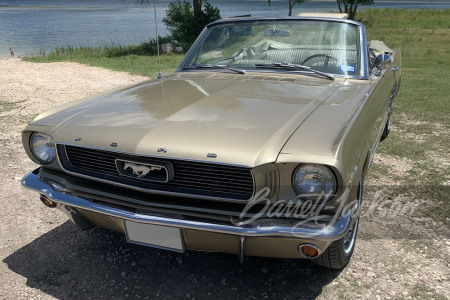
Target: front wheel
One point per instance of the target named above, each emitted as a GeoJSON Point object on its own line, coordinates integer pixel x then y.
{"type": "Point", "coordinates": [339, 253]}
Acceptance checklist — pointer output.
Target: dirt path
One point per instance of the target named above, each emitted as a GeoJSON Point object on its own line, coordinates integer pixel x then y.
{"type": "Point", "coordinates": [43, 256]}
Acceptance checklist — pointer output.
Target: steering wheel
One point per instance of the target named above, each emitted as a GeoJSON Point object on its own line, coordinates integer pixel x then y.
{"type": "Point", "coordinates": [327, 58]}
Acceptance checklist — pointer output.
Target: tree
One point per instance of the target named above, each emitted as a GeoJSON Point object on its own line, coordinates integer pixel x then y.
{"type": "Point", "coordinates": [350, 6]}
{"type": "Point", "coordinates": [184, 23]}
{"type": "Point", "coordinates": [197, 5]}
{"type": "Point", "coordinates": [292, 4]}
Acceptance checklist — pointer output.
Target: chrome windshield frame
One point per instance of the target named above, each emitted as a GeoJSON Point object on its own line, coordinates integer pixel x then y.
{"type": "Point", "coordinates": [362, 42]}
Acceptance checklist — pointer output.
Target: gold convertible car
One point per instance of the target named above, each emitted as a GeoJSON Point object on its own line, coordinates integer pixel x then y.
{"type": "Point", "coordinates": [256, 145]}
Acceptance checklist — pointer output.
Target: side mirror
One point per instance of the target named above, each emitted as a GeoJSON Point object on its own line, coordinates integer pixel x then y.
{"type": "Point", "coordinates": [382, 62]}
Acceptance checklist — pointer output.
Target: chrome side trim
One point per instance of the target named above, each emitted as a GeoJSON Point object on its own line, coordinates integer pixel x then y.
{"type": "Point", "coordinates": [259, 228]}
{"type": "Point", "coordinates": [374, 148]}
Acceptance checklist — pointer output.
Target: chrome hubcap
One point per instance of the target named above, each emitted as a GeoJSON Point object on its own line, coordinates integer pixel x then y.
{"type": "Point", "coordinates": [349, 240]}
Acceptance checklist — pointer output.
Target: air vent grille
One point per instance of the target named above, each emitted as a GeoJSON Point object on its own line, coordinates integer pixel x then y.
{"type": "Point", "coordinates": [190, 177]}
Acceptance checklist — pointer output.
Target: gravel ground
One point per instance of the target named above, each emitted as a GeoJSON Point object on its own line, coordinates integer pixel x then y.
{"type": "Point", "coordinates": [44, 256]}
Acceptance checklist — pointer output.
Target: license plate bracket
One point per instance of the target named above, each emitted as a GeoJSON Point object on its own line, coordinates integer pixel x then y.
{"type": "Point", "coordinates": [156, 236]}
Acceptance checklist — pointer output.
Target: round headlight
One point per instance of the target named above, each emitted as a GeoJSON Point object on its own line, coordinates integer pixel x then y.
{"type": "Point", "coordinates": [314, 182]}
{"type": "Point", "coordinates": [42, 148]}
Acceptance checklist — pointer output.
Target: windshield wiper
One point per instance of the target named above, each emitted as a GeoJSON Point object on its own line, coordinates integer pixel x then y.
{"type": "Point", "coordinates": [295, 67]}
{"type": "Point", "coordinates": [208, 66]}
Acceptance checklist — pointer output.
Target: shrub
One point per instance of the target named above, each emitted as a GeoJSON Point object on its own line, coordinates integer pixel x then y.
{"type": "Point", "coordinates": [183, 25]}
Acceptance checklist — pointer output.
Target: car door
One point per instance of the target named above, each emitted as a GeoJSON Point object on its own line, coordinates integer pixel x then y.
{"type": "Point", "coordinates": [383, 85]}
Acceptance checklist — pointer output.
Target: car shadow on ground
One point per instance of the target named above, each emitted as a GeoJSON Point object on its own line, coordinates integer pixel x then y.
{"type": "Point", "coordinates": [67, 263]}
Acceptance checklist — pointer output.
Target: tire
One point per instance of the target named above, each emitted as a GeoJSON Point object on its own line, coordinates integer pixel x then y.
{"type": "Point", "coordinates": [387, 129]}
{"type": "Point", "coordinates": [339, 253]}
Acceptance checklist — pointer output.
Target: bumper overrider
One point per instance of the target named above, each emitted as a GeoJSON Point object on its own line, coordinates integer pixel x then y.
{"type": "Point", "coordinates": [270, 237]}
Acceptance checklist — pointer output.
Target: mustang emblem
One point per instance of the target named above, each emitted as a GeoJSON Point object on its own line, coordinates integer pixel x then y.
{"type": "Point", "coordinates": [140, 170]}
{"type": "Point", "coordinates": [151, 170]}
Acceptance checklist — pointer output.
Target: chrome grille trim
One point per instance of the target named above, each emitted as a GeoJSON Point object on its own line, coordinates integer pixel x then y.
{"type": "Point", "coordinates": [199, 179]}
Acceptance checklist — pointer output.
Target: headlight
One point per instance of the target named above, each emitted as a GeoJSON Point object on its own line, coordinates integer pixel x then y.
{"type": "Point", "coordinates": [314, 181]}
{"type": "Point", "coordinates": [42, 148]}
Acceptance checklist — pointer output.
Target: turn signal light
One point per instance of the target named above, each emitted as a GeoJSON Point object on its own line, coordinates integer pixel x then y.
{"type": "Point", "coordinates": [47, 202]}
{"type": "Point", "coordinates": [308, 250]}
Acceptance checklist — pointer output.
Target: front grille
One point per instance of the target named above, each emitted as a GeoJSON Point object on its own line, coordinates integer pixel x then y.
{"type": "Point", "coordinates": [193, 178]}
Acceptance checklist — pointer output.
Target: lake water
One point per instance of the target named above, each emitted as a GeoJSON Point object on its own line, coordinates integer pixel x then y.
{"type": "Point", "coordinates": [28, 26]}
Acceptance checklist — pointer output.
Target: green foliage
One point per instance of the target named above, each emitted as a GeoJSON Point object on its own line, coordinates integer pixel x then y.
{"type": "Point", "coordinates": [183, 25]}
{"type": "Point", "coordinates": [134, 64]}
{"type": "Point", "coordinates": [351, 6]}
{"type": "Point", "coordinates": [404, 18]}
{"type": "Point", "coordinates": [135, 59]}
{"type": "Point", "coordinates": [7, 106]}
{"type": "Point", "coordinates": [145, 48]}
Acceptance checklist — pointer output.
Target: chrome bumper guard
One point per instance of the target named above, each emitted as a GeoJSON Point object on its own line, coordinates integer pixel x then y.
{"type": "Point", "coordinates": [258, 228]}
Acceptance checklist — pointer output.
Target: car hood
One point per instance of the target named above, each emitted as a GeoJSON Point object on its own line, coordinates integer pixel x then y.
{"type": "Point", "coordinates": [241, 120]}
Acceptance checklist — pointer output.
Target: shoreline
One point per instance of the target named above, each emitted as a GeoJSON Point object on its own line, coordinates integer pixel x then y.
{"type": "Point", "coordinates": [131, 26]}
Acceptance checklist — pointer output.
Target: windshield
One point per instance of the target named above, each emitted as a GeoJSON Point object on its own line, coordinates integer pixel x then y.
{"type": "Point", "coordinates": [326, 46]}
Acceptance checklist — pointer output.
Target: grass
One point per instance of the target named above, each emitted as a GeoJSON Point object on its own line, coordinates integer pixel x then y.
{"type": "Point", "coordinates": [421, 109]}
{"type": "Point", "coordinates": [422, 291]}
{"type": "Point", "coordinates": [423, 36]}
{"type": "Point", "coordinates": [7, 106]}
{"type": "Point", "coordinates": [137, 60]}
{"type": "Point", "coordinates": [421, 115]}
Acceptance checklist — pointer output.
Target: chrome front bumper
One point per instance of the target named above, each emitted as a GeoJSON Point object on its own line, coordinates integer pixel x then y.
{"type": "Point", "coordinates": [259, 228]}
